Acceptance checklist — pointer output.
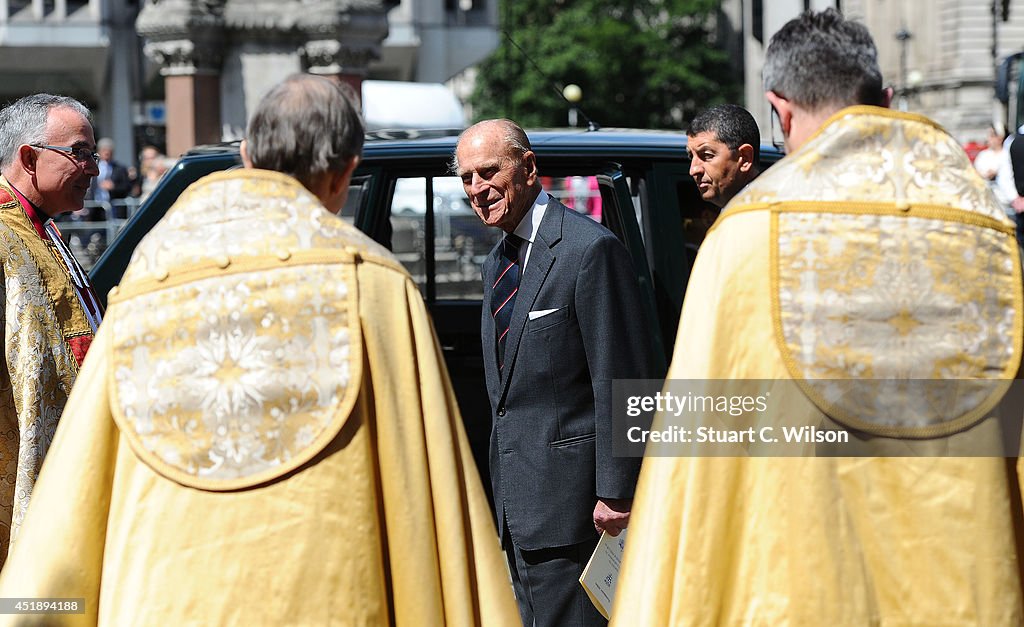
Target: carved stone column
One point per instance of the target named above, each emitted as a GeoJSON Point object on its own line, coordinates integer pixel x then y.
{"type": "Point", "coordinates": [342, 44]}
{"type": "Point", "coordinates": [185, 37]}
{"type": "Point", "coordinates": [342, 62]}
{"type": "Point", "coordinates": [218, 57]}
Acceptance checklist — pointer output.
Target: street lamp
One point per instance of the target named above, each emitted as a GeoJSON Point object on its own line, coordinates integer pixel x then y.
{"type": "Point", "coordinates": [573, 94]}
{"type": "Point", "coordinates": [914, 80]}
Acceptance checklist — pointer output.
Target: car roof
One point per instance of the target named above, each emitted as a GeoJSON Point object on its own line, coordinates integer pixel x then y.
{"type": "Point", "coordinates": [574, 142]}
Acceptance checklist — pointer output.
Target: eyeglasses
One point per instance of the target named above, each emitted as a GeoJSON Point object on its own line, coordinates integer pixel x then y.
{"type": "Point", "coordinates": [81, 154]}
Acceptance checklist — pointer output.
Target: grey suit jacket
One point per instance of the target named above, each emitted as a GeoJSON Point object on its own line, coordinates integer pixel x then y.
{"type": "Point", "coordinates": [550, 452]}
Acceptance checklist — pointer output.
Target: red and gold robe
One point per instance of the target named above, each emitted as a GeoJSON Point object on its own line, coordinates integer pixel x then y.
{"type": "Point", "coordinates": [47, 332]}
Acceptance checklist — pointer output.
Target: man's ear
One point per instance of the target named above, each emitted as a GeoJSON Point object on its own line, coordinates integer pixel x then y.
{"type": "Point", "coordinates": [746, 160]}
{"type": "Point", "coordinates": [341, 179]}
{"type": "Point", "coordinates": [530, 163]}
{"type": "Point", "coordinates": [243, 150]}
{"type": "Point", "coordinates": [784, 109]}
{"type": "Point", "coordinates": [27, 157]}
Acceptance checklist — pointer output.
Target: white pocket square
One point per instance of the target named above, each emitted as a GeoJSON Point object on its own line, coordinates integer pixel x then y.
{"type": "Point", "coordinates": [540, 313]}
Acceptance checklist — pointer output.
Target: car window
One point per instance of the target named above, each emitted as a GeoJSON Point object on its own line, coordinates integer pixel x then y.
{"type": "Point", "coordinates": [408, 211]}
{"type": "Point", "coordinates": [460, 241]}
{"type": "Point", "coordinates": [357, 195]}
{"type": "Point", "coordinates": [580, 193]}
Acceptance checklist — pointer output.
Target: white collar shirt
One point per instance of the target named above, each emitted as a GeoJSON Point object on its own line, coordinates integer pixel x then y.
{"type": "Point", "coordinates": [529, 226]}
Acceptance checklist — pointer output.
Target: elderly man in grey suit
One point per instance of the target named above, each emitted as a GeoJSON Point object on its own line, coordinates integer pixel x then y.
{"type": "Point", "coordinates": [561, 319]}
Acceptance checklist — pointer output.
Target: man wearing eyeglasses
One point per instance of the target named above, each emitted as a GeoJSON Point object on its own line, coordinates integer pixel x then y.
{"type": "Point", "coordinates": [47, 161]}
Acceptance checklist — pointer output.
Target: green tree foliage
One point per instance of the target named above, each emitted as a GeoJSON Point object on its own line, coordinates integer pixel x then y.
{"type": "Point", "coordinates": [640, 63]}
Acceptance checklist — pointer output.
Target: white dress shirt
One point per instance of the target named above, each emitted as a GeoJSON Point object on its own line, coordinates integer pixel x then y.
{"type": "Point", "coordinates": [529, 226]}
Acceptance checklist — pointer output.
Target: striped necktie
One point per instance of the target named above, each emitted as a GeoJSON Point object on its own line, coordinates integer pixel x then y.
{"type": "Point", "coordinates": [503, 294]}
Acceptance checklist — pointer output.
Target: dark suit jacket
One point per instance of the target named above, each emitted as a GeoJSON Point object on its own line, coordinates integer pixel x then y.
{"type": "Point", "coordinates": [1017, 162]}
{"type": "Point", "coordinates": [122, 182]}
{"type": "Point", "coordinates": [551, 453]}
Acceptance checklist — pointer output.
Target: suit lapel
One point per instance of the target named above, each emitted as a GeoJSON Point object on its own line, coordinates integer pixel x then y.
{"type": "Point", "coordinates": [542, 257]}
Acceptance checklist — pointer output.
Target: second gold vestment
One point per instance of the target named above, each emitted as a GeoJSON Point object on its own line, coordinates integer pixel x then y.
{"type": "Point", "coordinates": [264, 434]}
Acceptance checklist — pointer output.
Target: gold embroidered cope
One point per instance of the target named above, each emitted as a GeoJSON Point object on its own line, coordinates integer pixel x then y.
{"type": "Point", "coordinates": [264, 434]}
{"type": "Point", "coordinates": [924, 285]}
{"type": "Point", "coordinates": [874, 250]}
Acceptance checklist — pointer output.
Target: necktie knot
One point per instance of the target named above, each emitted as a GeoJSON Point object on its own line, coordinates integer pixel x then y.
{"type": "Point", "coordinates": [510, 247]}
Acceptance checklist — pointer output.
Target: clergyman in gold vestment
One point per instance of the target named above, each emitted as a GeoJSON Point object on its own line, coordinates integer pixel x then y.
{"type": "Point", "coordinates": [873, 251]}
{"type": "Point", "coordinates": [264, 432]}
{"type": "Point", "coordinates": [47, 159]}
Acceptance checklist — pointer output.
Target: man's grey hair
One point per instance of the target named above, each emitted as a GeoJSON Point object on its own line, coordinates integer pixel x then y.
{"type": "Point", "coordinates": [731, 124]}
{"type": "Point", "coordinates": [24, 122]}
{"type": "Point", "coordinates": [820, 60]}
{"type": "Point", "coordinates": [305, 126]}
{"type": "Point", "coordinates": [513, 137]}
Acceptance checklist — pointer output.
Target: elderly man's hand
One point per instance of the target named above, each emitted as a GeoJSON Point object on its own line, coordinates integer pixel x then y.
{"type": "Point", "coordinates": [612, 515]}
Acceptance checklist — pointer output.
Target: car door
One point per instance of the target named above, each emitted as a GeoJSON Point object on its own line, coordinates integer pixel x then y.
{"type": "Point", "coordinates": [623, 218]}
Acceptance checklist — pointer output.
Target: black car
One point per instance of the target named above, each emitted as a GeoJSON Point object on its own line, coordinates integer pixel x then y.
{"type": "Point", "coordinates": [404, 196]}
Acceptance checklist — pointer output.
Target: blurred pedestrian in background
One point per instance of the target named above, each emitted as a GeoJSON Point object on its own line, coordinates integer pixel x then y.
{"type": "Point", "coordinates": [152, 165]}
{"type": "Point", "coordinates": [113, 183]}
{"type": "Point", "coordinates": [993, 163]}
{"type": "Point", "coordinates": [987, 161]}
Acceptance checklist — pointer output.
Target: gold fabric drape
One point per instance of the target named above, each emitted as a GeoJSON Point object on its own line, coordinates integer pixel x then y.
{"type": "Point", "coordinates": [876, 252]}
{"type": "Point", "coordinates": [264, 433]}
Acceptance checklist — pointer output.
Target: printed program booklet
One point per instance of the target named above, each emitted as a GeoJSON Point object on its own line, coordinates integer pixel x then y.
{"type": "Point", "coordinates": [602, 572]}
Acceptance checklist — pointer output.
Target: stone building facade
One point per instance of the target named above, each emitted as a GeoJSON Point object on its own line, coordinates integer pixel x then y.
{"type": "Point", "coordinates": [937, 54]}
{"type": "Point", "coordinates": [218, 57]}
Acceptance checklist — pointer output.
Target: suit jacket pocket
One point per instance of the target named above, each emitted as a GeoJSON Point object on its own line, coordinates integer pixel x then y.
{"type": "Point", "coordinates": [576, 439]}
{"type": "Point", "coordinates": [549, 320]}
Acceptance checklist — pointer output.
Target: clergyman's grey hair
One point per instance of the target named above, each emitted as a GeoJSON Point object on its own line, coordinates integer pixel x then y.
{"type": "Point", "coordinates": [823, 60]}
{"type": "Point", "coordinates": [305, 126]}
{"type": "Point", "coordinates": [24, 122]}
{"type": "Point", "coordinates": [731, 124]}
{"type": "Point", "coordinates": [512, 136]}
